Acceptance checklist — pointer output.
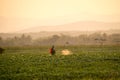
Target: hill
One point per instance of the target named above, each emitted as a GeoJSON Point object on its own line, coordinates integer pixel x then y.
{"type": "Point", "coordinates": [76, 26]}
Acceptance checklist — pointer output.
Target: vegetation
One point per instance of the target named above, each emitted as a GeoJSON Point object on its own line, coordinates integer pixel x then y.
{"type": "Point", "coordinates": [35, 63]}
{"type": "Point", "coordinates": [61, 39]}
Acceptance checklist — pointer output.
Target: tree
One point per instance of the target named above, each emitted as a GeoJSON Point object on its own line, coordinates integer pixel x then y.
{"type": "Point", "coordinates": [54, 39]}
{"type": "Point", "coordinates": [1, 41]}
{"type": "Point", "coordinates": [115, 38]}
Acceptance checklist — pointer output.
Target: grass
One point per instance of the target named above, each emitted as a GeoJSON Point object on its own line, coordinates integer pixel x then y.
{"type": "Point", "coordinates": [86, 63]}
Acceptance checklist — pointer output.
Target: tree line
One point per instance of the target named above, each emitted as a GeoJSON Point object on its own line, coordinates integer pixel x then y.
{"type": "Point", "coordinates": [63, 40]}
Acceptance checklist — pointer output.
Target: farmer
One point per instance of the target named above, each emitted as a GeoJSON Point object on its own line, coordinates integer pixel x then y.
{"type": "Point", "coordinates": [52, 50]}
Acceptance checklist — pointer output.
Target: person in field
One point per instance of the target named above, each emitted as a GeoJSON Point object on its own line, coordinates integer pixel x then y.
{"type": "Point", "coordinates": [52, 50]}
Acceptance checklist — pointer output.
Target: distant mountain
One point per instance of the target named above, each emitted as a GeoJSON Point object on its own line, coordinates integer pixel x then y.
{"type": "Point", "coordinates": [76, 26]}
{"type": "Point", "coordinates": [22, 25]}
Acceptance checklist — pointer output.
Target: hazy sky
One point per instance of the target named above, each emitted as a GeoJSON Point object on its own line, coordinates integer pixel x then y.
{"type": "Point", "coordinates": [55, 12]}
